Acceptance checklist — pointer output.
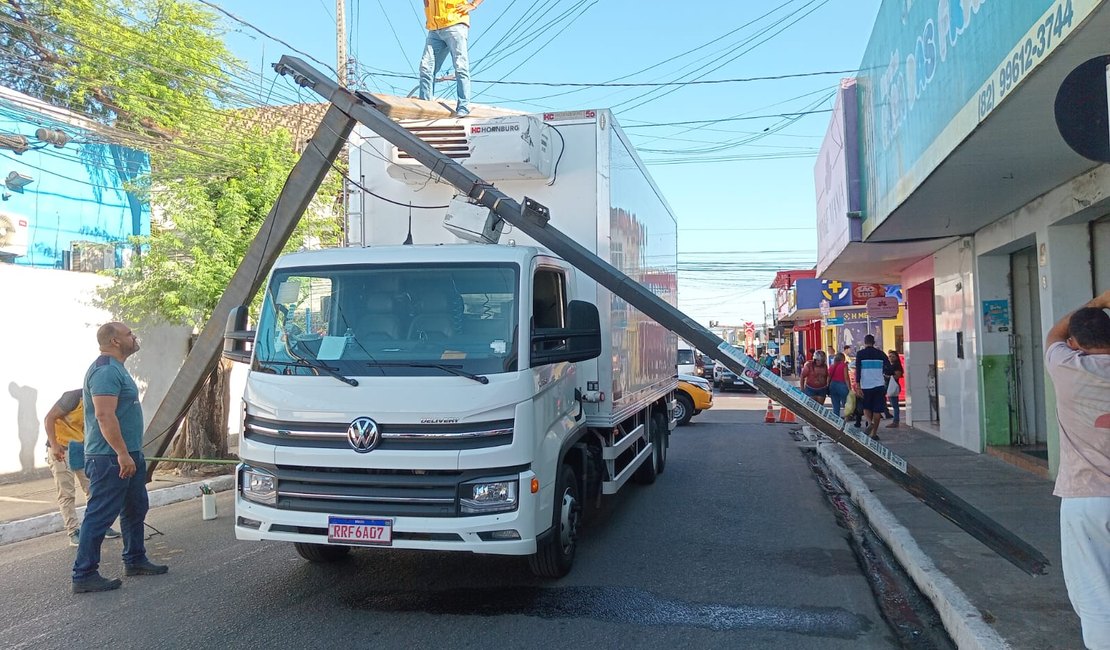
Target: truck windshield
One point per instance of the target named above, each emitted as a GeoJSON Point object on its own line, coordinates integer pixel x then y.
{"type": "Point", "coordinates": [398, 320]}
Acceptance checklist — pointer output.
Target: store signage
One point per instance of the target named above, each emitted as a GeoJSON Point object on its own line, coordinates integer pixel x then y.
{"type": "Point", "coordinates": [882, 307]}
{"type": "Point", "coordinates": [862, 292]}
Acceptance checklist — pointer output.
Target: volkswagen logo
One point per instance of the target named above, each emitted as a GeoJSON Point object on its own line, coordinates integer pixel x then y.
{"type": "Point", "coordinates": [363, 435]}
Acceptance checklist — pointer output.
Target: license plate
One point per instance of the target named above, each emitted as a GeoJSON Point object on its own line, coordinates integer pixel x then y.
{"type": "Point", "coordinates": [346, 530]}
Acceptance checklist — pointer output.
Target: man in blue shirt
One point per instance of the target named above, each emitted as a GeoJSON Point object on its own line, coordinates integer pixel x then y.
{"type": "Point", "coordinates": [872, 367]}
{"type": "Point", "coordinates": [113, 454]}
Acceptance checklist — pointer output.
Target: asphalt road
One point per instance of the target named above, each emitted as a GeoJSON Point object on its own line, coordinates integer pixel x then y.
{"type": "Point", "coordinates": [734, 546]}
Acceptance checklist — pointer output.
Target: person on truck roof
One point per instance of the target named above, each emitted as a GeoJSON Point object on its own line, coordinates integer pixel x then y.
{"type": "Point", "coordinates": [448, 24]}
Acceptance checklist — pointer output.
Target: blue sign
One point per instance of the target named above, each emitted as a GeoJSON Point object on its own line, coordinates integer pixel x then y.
{"type": "Point", "coordinates": [834, 320]}
{"type": "Point", "coordinates": [810, 293]}
{"type": "Point", "coordinates": [933, 71]}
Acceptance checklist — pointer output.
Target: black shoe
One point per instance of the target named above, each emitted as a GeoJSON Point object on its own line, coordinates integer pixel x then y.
{"type": "Point", "coordinates": [96, 583]}
{"type": "Point", "coordinates": [145, 568]}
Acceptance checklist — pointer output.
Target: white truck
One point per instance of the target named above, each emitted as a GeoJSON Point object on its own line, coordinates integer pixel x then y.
{"type": "Point", "coordinates": [420, 390]}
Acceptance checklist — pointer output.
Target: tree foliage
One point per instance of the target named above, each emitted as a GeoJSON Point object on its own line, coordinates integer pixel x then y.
{"type": "Point", "coordinates": [148, 66]}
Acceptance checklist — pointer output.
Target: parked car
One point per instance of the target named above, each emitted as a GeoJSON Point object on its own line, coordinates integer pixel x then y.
{"type": "Point", "coordinates": [707, 367]}
{"type": "Point", "coordinates": [725, 379]}
{"type": "Point", "coordinates": [693, 396]}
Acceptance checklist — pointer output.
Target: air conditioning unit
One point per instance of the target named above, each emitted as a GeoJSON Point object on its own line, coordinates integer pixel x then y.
{"type": "Point", "coordinates": [15, 235]}
{"type": "Point", "coordinates": [516, 147]}
{"type": "Point", "coordinates": [90, 257]}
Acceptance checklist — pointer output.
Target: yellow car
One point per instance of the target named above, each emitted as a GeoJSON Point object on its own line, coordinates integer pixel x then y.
{"type": "Point", "coordinates": [693, 396]}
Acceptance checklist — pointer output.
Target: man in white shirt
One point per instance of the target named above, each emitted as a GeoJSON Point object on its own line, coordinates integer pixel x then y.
{"type": "Point", "coordinates": [1077, 357]}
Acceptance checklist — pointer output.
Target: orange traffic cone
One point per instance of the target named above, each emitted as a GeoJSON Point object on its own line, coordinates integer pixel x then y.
{"type": "Point", "coordinates": [786, 416]}
{"type": "Point", "coordinates": [770, 416]}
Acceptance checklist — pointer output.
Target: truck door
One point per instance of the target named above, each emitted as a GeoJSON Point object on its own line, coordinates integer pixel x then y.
{"type": "Point", "coordinates": [554, 404]}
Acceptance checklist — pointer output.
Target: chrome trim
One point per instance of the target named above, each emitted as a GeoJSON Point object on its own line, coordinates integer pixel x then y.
{"type": "Point", "coordinates": [398, 435]}
{"type": "Point", "coordinates": [345, 497]}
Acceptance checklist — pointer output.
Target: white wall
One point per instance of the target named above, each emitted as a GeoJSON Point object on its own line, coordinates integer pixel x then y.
{"type": "Point", "coordinates": [50, 336]}
{"type": "Point", "coordinates": [957, 379]}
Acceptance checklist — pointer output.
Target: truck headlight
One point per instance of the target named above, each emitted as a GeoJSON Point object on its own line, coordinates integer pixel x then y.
{"type": "Point", "coordinates": [259, 486]}
{"type": "Point", "coordinates": [487, 496]}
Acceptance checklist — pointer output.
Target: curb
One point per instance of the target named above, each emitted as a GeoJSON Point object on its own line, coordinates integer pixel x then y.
{"type": "Point", "coordinates": [17, 531]}
{"type": "Point", "coordinates": [961, 619]}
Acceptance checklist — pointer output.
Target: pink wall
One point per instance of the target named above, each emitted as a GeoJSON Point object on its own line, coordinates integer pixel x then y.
{"type": "Point", "coordinates": [917, 284]}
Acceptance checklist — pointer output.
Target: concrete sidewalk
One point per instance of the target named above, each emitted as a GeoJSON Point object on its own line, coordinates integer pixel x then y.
{"type": "Point", "coordinates": [984, 600]}
{"type": "Point", "coordinates": [30, 508]}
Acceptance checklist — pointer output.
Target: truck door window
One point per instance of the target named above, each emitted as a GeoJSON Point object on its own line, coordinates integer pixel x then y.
{"type": "Point", "coordinates": [549, 303]}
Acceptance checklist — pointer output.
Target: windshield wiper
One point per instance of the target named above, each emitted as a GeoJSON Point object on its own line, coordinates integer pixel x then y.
{"type": "Point", "coordinates": [454, 370]}
{"type": "Point", "coordinates": [315, 364]}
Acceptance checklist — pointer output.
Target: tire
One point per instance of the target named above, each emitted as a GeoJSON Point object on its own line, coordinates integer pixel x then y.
{"type": "Point", "coordinates": [684, 409]}
{"type": "Point", "coordinates": [321, 553]}
{"type": "Point", "coordinates": [555, 555]}
{"type": "Point", "coordinates": [654, 466]}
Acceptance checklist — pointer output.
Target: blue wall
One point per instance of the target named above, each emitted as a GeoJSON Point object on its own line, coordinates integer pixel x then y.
{"type": "Point", "coordinates": [78, 191]}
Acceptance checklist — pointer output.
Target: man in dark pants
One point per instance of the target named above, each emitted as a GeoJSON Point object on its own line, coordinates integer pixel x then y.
{"type": "Point", "coordinates": [871, 366]}
{"type": "Point", "coordinates": [113, 454]}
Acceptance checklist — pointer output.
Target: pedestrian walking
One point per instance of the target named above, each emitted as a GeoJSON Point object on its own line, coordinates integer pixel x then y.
{"type": "Point", "coordinates": [894, 387]}
{"type": "Point", "coordinates": [871, 368]}
{"type": "Point", "coordinates": [838, 382]}
{"type": "Point", "coordinates": [65, 423]}
{"type": "Point", "coordinates": [113, 456]}
{"type": "Point", "coordinates": [448, 23]}
{"type": "Point", "coordinates": [1077, 357]}
{"type": "Point", "coordinates": [815, 377]}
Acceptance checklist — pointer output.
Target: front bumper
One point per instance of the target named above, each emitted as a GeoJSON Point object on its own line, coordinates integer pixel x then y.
{"type": "Point", "coordinates": [419, 533]}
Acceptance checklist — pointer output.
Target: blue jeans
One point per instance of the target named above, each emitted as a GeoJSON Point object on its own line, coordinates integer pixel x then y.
{"type": "Point", "coordinates": [895, 406]}
{"type": "Point", "coordinates": [817, 394]}
{"type": "Point", "coordinates": [112, 496]}
{"type": "Point", "coordinates": [441, 41]}
{"type": "Point", "coordinates": [838, 391]}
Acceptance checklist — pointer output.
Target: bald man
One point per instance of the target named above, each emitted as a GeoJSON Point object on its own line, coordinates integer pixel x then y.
{"type": "Point", "coordinates": [113, 456]}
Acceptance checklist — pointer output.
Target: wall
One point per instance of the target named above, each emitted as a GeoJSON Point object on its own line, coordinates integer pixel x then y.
{"type": "Point", "coordinates": [51, 334]}
{"type": "Point", "coordinates": [957, 378]}
{"type": "Point", "coordinates": [917, 282]}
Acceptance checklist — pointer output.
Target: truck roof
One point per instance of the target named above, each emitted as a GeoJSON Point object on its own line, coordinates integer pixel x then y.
{"type": "Point", "coordinates": [410, 254]}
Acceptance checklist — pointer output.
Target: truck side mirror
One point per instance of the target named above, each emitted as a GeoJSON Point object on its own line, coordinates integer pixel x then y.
{"type": "Point", "coordinates": [238, 340]}
{"type": "Point", "coordinates": [580, 340]}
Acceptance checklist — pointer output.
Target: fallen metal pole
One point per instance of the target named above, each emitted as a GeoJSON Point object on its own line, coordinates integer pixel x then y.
{"type": "Point", "coordinates": [305, 178]}
{"type": "Point", "coordinates": [532, 219]}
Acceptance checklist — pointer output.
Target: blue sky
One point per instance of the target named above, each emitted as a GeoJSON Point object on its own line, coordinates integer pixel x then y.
{"type": "Point", "coordinates": [743, 211]}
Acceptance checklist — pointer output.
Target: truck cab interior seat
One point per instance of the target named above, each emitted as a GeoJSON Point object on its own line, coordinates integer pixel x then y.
{"type": "Point", "coordinates": [379, 320]}
{"type": "Point", "coordinates": [435, 318]}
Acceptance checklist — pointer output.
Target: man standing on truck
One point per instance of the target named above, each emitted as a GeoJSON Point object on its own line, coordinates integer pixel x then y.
{"type": "Point", "coordinates": [448, 23]}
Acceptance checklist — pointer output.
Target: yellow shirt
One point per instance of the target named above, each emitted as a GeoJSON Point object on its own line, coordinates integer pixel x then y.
{"type": "Point", "coordinates": [71, 426]}
{"type": "Point", "coordinates": [444, 13]}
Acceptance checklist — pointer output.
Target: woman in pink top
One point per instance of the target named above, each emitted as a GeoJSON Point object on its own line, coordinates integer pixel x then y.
{"type": "Point", "coordinates": [838, 382]}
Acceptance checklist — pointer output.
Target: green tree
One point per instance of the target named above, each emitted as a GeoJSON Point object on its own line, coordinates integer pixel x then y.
{"type": "Point", "coordinates": [158, 76]}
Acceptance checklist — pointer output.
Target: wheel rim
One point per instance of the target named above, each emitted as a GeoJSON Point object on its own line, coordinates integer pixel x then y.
{"type": "Point", "coordinates": [568, 522]}
{"type": "Point", "coordinates": [679, 411]}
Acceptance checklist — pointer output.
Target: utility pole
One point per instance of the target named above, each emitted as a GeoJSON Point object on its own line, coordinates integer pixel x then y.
{"type": "Point", "coordinates": [341, 41]}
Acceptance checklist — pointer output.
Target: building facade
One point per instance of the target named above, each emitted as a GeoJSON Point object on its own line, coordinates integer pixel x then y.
{"type": "Point", "coordinates": [971, 200]}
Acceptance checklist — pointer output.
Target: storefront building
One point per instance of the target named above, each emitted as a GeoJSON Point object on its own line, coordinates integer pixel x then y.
{"type": "Point", "coordinates": [950, 177]}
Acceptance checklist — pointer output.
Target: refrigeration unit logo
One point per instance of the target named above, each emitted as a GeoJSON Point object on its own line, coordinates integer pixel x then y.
{"type": "Point", "coordinates": [482, 129]}
{"type": "Point", "coordinates": [363, 435]}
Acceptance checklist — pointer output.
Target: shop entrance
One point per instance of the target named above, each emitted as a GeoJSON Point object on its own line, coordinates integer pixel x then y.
{"type": "Point", "coordinates": [1027, 409]}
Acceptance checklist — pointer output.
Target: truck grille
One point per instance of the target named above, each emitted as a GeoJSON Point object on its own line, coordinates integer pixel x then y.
{"type": "Point", "coordinates": [450, 141]}
{"type": "Point", "coordinates": [374, 492]}
{"type": "Point", "coordinates": [399, 437]}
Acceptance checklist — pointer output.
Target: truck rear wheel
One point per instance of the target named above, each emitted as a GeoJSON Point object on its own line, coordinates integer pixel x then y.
{"type": "Point", "coordinates": [321, 553]}
{"type": "Point", "coordinates": [555, 554]}
{"type": "Point", "coordinates": [654, 466]}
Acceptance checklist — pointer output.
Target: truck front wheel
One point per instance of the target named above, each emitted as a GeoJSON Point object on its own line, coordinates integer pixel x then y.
{"type": "Point", "coordinates": [321, 553]}
{"type": "Point", "coordinates": [555, 554]}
